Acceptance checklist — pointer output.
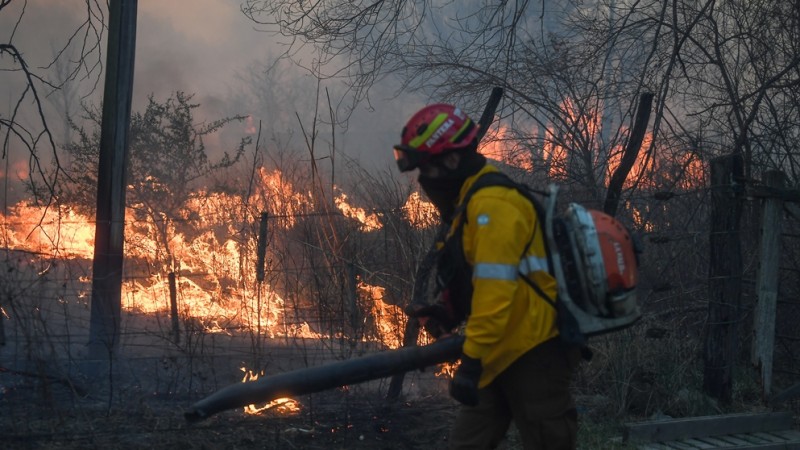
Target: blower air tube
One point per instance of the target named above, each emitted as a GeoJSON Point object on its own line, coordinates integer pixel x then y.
{"type": "Point", "coordinates": [329, 376]}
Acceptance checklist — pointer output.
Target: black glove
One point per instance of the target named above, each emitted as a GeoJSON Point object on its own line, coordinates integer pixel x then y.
{"type": "Point", "coordinates": [464, 385]}
{"type": "Point", "coordinates": [437, 318]}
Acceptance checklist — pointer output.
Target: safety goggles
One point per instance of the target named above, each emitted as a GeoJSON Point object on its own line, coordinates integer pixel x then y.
{"type": "Point", "coordinates": [409, 158]}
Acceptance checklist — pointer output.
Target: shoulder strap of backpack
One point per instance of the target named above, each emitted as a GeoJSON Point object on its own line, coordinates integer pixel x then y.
{"type": "Point", "coordinates": [501, 179]}
{"type": "Point", "coordinates": [568, 326]}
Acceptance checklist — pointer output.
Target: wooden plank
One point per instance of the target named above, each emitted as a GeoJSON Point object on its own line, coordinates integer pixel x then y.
{"type": "Point", "coordinates": [717, 443]}
{"type": "Point", "coordinates": [733, 440]}
{"type": "Point", "coordinates": [695, 427]}
{"type": "Point", "coordinates": [714, 441]}
{"type": "Point", "coordinates": [790, 435]}
{"type": "Point", "coordinates": [771, 446]}
{"type": "Point", "coordinates": [767, 284]}
{"type": "Point", "coordinates": [680, 445]}
{"type": "Point", "coordinates": [698, 443]}
{"type": "Point", "coordinates": [750, 437]}
{"type": "Point", "coordinates": [788, 394]}
{"type": "Point", "coordinates": [769, 437]}
{"type": "Point", "coordinates": [652, 446]}
{"type": "Point", "coordinates": [785, 194]}
{"type": "Point", "coordinates": [779, 446]}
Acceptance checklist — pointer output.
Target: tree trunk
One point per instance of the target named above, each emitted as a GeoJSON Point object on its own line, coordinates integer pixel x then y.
{"type": "Point", "coordinates": [630, 154]}
{"type": "Point", "coordinates": [725, 277]}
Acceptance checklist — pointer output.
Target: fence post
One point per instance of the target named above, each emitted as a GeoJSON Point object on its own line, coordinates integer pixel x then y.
{"type": "Point", "coordinates": [411, 333]}
{"type": "Point", "coordinates": [767, 283]}
{"type": "Point", "coordinates": [173, 304]}
{"type": "Point", "coordinates": [356, 332]}
{"type": "Point", "coordinates": [725, 277]}
{"type": "Point", "coordinates": [261, 258]}
{"type": "Point", "coordinates": [261, 250]}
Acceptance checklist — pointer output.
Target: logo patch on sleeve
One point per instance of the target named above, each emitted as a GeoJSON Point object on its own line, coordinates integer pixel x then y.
{"type": "Point", "coordinates": [483, 219]}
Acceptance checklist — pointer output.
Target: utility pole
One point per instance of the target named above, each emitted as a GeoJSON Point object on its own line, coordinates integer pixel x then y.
{"type": "Point", "coordinates": [110, 227]}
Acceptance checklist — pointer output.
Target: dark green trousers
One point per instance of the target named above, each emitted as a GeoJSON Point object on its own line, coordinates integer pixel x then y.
{"type": "Point", "coordinates": [534, 393]}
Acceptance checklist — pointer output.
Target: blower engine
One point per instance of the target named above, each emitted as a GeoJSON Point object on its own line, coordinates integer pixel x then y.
{"type": "Point", "coordinates": [595, 263]}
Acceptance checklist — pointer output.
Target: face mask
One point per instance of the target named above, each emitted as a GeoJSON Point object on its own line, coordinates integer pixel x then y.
{"type": "Point", "coordinates": [443, 193]}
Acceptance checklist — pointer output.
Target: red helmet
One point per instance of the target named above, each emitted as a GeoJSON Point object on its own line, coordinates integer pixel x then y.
{"type": "Point", "coordinates": [432, 131]}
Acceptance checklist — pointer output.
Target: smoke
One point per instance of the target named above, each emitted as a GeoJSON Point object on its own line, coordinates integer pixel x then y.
{"type": "Point", "coordinates": [194, 46]}
{"type": "Point", "coordinates": [211, 49]}
{"type": "Point", "coordinates": [202, 47]}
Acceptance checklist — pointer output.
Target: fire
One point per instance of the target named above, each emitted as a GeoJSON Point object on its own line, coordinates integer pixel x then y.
{"type": "Point", "coordinates": [446, 369]}
{"type": "Point", "coordinates": [638, 171]}
{"type": "Point", "coordinates": [420, 213]}
{"type": "Point", "coordinates": [369, 222]}
{"type": "Point", "coordinates": [501, 145]}
{"type": "Point", "coordinates": [279, 194]}
{"type": "Point", "coordinates": [666, 165]}
{"type": "Point", "coordinates": [640, 221]}
{"type": "Point", "coordinates": [389, 319]}
{"type": "Point", "coordinates": [207, 251]}
{"type": "Point", "coordinates": [282, 405]}
{"type": "Point", "coordinates": [56, 231]}
{"type": "Point", "coordinates": [580, 129]}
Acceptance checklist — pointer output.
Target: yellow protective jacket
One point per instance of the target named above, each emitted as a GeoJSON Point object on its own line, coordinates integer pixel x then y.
{"type": "Point", "coordinates": [507, 317]}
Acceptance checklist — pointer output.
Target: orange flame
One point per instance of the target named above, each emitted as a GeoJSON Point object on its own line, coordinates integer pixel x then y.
{"type": "Point", "coordinates": [420, 213]}
{"type": "Point", "coordinates": [389, 319]}
{"type": "Point", "coordinates": [502, 146]}
{"type": "Point", "coordinates": [682, 170]}
{"type": "Point", "coordinates": [283, 405]}
{"type": "Point", "coordinates": [446, 370]}
{"type": "Point", "coordinates": [57, 231]}
{"type": "Point", "coordinates": [282, 199]}
{"type": "Point", "coordinates": [638, 171]}
{"type": "Point", "coordinates": [210, 256]}
{"type": "Point", "coordinates": [640, 221]}
{"type": "Point", "coordinates": [369, 221]}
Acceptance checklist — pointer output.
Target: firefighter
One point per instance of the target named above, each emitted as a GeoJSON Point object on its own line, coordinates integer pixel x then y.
{"type": "Point", "coordinates": [513, 367]}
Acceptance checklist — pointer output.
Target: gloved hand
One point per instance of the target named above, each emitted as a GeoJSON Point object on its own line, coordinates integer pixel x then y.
{"type": "Point", "coordinates": [464, 385]}
{"type": "Point", "coordinates": [436, 318]}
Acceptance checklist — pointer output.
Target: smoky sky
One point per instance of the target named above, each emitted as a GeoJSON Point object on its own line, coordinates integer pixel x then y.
{"type": "Point", "coordinates": [202, 47]}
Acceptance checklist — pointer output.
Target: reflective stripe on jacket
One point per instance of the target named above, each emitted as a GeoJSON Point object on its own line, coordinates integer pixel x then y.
{"type": "Point", "coordinates": [508, 317]}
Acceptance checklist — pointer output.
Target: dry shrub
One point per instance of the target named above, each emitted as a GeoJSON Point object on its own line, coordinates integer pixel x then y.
{"type": "Point", "coordinates": [640, 372]}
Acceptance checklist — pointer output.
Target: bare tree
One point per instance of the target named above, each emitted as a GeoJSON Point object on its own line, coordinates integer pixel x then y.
{"type": "Point", "coordinates": [558, 86]}
{"type": "Point", "coordinates": [168, 161]}
{"type": "Point", "coordinates": [573, 71]}
{"type": "Point", "coordinates": [27, 126]}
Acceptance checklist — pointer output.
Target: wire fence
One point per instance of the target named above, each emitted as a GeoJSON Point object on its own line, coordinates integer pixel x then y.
{"type": "Point", "coordinates": [332, 291]}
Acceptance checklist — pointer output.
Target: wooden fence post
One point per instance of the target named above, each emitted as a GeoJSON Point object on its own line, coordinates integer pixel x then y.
{"type": "Point", "coordinates": [261, 249]}
{"type": "Point", "coordinates": [767, 283]}
{"type": "Point", "coordinates": [173, 305]}
{"type": "Point", "coordinates": [725, 277]}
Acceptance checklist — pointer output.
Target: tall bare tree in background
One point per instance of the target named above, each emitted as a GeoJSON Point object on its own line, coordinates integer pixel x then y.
{"type": "Point", "coordinates": [724, 75]}
{"type": "Point", "coordinates": [25, 126]}
{"type": "Point", "coordinates": [454, 50]}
